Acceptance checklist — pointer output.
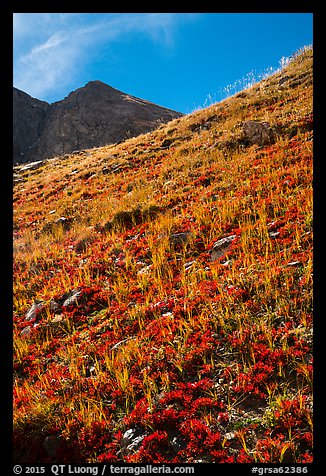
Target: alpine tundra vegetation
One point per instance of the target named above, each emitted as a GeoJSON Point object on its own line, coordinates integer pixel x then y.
{"type": "Point", "coordinates": [163, 289]}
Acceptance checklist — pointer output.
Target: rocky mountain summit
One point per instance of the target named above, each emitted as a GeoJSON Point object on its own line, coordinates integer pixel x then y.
{"type": "Point", "coordinates": [92, 116]}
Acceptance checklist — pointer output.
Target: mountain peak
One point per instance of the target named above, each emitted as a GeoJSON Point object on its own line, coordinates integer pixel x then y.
{"type": "Point", "coordinates": [91, 116]}
{"type": "Point", "coordinates": [96, 83]}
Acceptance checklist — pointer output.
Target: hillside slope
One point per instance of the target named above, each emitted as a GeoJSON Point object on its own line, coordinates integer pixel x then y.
{"type": "Point", "coordinates": [163, 289]}
{"type": "Point", "coordinates": [91, 116]}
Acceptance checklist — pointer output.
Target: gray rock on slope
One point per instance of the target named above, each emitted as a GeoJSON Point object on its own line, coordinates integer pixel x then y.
{"type": "Point", "coordinates": [92, 116]}
{"type": "Point", "coordinates": [259, 133]}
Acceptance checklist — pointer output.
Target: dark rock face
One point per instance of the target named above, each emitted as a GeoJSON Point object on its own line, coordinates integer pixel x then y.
{"type": "Point", "coordinates": [92, 116]}
{"type": "Point", "coordinates": [28, 116]}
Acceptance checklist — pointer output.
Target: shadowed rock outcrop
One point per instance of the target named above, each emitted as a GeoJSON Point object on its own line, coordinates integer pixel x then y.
{"type": "Point", "coordinates": [28, 116]}
{"type": "Point", "coordinates": [259, 133]}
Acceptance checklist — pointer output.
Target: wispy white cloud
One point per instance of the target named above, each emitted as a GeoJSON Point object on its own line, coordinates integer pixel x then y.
{"type": "Point", "coordinates": [54, 41]}
{"type": "Point", "coordinates": [43, 54]}
{"type": "Point", "coordinates": [50, 48]}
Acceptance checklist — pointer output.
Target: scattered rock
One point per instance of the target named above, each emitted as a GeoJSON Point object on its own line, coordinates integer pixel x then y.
{"type": "Point", "coordinates": [177, 443]}
{"type": "Point", "coordinates": [128, 436]}
{"type": "Point", "coordinates": [221, 247]}
{"type": "Point", "coordinates": [180, 238]}
{"type": "Point", "coordinates": [115, 168]}
{"type": "Point", "coordinates": [273, 234]}
{"type": "Point", "coordinates": [135, 444]}
{"type": "Point", "coordinates": [121, 342]}
{"type": "Point", "coordinates": [57, 318]}
{"type": "Point", "coordinates": [295, 263]}
{"type": "Point", "coordinates": [32, 165]}
{"type": "Point", "coordinates": [34, 310]}
{"type": "Point", "coordinates": [132, 440]}
{"type": "Point", "coordinates": [72, 297]}
{"type": "Point", "coordinates": [17, 178]}
{"type": "Point", "coordinates": [229, 436]}
{"type": "Point", "coordinates": [26, 331]}
{"type": "Point", "coordinates": [61, 220]}
{"type": "Point", "coordinates": [227, 263]}
{"type": "Point", "coordinates": [92, 176]}
{"type": "Point", "coordinates": [189, 265]}
{"type": "Point", "coordinates": [54, 305]}
{"type": "Point", "coordinates": [259, 133]}
{"type": "Point", "coordinates": [146, 270]}
{"type": "Point", "coordinates": [168, 314]}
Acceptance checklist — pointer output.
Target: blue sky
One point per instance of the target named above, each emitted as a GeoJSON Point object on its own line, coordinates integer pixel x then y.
{"type": "Point", "coordinates": [183, 61]}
